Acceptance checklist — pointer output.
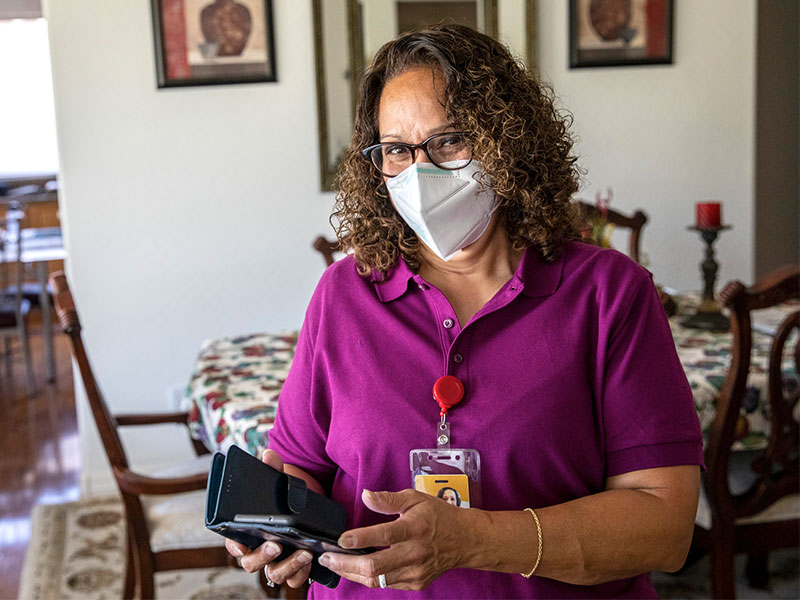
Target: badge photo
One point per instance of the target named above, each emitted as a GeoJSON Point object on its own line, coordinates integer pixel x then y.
{"type": "Point", "coordinates": [453, 489]}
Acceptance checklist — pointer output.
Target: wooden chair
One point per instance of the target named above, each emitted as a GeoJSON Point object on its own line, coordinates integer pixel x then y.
{"type": "Point", "coordinates": [14, 309]}
{"type": "Point", "coordinates": [750, 500]}
{"type": "Point", "coordinates": [327, 248]}
{"type": "Point", "coordinates": [166, 530]}
{"type": "Point", "coordinates": [635, 223]}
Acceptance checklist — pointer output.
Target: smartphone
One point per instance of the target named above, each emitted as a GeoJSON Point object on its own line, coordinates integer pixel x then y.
{"type": "Point", "coordinates": [286, 531]}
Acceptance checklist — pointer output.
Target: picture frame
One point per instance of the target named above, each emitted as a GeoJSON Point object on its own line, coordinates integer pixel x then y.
{"type": "Point", "coordinates": [213, 42]}
{"type": "Point", "coordinates": [613, 33]}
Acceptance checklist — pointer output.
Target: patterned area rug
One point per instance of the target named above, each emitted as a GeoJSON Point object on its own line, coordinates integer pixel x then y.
{"type": "Point", "coordinates": [76, 552]}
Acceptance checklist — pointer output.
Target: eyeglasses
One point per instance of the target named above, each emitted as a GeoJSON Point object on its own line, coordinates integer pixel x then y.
{"type": "Point", "coordinates": [448, 151]}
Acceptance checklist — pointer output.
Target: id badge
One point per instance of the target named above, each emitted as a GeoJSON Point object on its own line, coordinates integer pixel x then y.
{"type": "Point", "coordinates": [454, 475]}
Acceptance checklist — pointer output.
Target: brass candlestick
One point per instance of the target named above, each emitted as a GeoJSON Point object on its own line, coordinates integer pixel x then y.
{"type": "Point", "coordinates": [708, 314]}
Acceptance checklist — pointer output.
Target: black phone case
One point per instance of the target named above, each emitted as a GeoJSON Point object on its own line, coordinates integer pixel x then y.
{"type": "Point", "coordinates": [240, 484]}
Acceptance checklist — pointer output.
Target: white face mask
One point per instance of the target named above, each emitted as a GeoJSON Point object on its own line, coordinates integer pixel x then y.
{"type": "Point", "coordinates": [448, 210]}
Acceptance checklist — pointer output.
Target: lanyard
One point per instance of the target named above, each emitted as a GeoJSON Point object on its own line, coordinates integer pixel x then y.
{"type": "Point", "coordinates": [447, 392]}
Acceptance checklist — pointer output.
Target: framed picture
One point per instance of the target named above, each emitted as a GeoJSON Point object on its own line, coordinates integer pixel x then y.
{"type": "Point", "coordinates": [212, 42]}
{"type": "Point", "coordinates": [610, 33]}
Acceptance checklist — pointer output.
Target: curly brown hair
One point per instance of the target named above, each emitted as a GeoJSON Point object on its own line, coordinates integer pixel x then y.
{"type": "Point", "coordinates": [520, 137]}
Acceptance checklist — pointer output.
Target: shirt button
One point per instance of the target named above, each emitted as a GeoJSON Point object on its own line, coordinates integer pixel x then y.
{"type": "Point", "coordinates": [448, 323]}
{"type": "Point", "coordinates": [458, 359]}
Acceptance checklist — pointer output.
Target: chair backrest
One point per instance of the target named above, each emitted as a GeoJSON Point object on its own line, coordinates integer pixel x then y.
{"type": "Point", "coordinates": [70, 324]}
{"type": "Point", "coordinates": [635, 223]}
{"type": "Point", "coordinates": [777, 469]}
{"type": "Point", "coordinates": [327, 248]}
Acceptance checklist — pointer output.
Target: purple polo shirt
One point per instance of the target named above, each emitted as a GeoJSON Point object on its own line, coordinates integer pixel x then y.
{"type": "Point", "coordinates": [571, 376]}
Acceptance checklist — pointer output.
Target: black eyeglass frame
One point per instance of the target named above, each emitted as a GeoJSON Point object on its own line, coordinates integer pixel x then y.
{"type": "Point", "coordinates": [367, 152]}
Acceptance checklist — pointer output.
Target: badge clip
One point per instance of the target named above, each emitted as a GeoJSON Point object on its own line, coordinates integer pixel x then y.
{"type": "Point", "coordinates": [447, 391]}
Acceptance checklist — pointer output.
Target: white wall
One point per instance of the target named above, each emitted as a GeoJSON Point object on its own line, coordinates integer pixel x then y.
{"type": "Point", "coordinates": [188, 213]}
{"type": "Point", "coordinates": [666, 136]}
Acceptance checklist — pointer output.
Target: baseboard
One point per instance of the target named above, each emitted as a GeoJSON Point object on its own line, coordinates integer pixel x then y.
{"type": "Point", "coordinates": [98, 484]}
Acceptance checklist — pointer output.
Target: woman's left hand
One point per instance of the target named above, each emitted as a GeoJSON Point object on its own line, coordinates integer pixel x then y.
{"type": "Point", "coordinates": [429, 538]}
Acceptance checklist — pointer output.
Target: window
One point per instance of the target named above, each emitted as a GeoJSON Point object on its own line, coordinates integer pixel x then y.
{"type": "Point", "coordinates": [27, 113]}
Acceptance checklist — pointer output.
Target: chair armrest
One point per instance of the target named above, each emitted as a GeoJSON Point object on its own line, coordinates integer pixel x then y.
{"type": "Point", "coordinates": [151, 418]}
{"type": "Point", "coordinates": [181, 418]}
{"type": "Point", "coordinates": [134, 483]}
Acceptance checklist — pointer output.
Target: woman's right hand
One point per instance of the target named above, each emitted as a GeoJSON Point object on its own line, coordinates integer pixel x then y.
{"type": "Point", "coordinates": [293, 570]}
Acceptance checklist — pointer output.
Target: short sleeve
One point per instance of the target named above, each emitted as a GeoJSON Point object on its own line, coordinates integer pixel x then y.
{"type": "Point", "coordinates": [302, 422]}
{"type": "Point", "coordinates": [648, 412]}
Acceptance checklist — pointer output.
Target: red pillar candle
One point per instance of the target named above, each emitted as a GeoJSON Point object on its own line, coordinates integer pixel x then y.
{"type": "Point", "coordinates": [709, 215]}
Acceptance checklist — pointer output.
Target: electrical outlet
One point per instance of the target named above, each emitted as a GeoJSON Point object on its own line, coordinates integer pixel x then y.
{"type": "Point", "coordinates": [175, 397]}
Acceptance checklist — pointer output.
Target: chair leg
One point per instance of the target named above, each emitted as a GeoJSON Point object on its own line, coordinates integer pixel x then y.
{"type": "Point", "coordinates": [129, 587]}
{"type": "Point", "coordinates": [26, 352]}
{"type": "Point", "coordinates": [144, 573]}
{"type": "Point", "coordinates": [722, 574]}
{"type": "Point", "coordinates": [757, 570]}
{"type": "Point", "coordinates": [9, 359]}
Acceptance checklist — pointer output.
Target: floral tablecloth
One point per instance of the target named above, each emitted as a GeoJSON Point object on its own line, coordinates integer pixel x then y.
{"type": "Point", "coordinates": [705, 357]}
{"type": "Point", "coordinates": [233, 392]}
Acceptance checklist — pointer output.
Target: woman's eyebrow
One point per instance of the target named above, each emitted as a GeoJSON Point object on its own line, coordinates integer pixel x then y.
{"type": "Point", "coordinates": [391, 136]}
{"type": "Point", "coordinates": [398, 138]}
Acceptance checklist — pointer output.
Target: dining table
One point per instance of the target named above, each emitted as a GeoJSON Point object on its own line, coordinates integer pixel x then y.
{"type": "Point", "coordinates": [232, 395]}
{"type": "Point", "coordinates": [39, 246]}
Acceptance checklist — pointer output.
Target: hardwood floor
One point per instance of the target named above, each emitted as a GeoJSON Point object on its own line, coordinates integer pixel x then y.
{"type": "Point", "coordinates": [39, 452]}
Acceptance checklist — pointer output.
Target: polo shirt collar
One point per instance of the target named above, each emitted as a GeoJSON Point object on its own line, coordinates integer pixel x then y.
{"type": "Point", "coordinates": [538, 278]}
{"type": "Point", "coordinates": [395, 283]}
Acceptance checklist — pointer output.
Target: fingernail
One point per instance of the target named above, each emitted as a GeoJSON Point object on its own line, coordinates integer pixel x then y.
{"type": "Point", "coordinates": [271, 549]}
{"type": "Point", "coordinates": [236, 552]}
{"type": "Point", "coordinates": [325, 560]}
{"type": "Point", "coordinates": [305, 557]}
{"type": "Point", "coordinates": [367, 494]}
{"type": "Point", "coordinates": [346, 541]}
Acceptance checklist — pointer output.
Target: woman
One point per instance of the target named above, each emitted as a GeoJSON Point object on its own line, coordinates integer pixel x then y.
{"type": "Point", "coordinates": [589, 442]}
{"type": "Point", "coordinates": [450, 496]}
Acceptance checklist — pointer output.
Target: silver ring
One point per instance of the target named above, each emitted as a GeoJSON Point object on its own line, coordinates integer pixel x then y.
{"type": "Point", "coordinates": [382, 581]}
{"type": "Point", "coordinates": [270, 583]}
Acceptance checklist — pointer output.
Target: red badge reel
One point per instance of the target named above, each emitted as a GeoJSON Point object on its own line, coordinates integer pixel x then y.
{"type": "Point", "coordinates": [447, 391]}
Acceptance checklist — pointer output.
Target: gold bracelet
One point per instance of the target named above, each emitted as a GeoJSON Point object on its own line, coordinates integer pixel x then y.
{"type": "Point", "coordinates": [539, 535]}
